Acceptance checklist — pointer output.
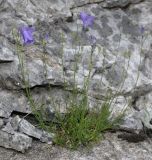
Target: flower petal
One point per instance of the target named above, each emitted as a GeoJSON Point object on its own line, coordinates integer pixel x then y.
{"type": "Point", "coordinates": [83, 16]}
{"type": "Point", "coordinates": [87, 19]}
{"type": "Point", "coordinates": [27, 34]}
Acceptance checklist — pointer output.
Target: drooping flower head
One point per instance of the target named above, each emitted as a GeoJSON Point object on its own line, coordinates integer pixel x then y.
{"type": "Point", "coordinates": [87, 20]}
{"type": "Point", "coordinates": [27, 35]}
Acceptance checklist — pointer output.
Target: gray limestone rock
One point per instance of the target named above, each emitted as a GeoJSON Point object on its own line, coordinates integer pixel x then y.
{"type": "Point", "coordinates": [25, 127]}
{"type": "Point", "coordinates": [17, 132]}
{"type": "Point", "coordinates": [12, 101]}
{"type": "Point", "coordinates": [8, 128]}
{"type": "Point", "coordinates": [119, 3]}
{"type": "Point", "coordinates": [110, 148]}
{"type": "Point", "coordinates": [6, 55]}
{"type": "Point", "coordinates": [17, 141]}
{"type": "Point", "coordinates": [1, 123]}
{"type": "Point", "coordinates": [123, 33]}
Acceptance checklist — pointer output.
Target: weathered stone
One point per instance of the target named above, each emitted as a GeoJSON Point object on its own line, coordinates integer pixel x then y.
{"type": "Point", "coordinates": [4, 114]}
{"type": "Point", "coordinates": [111, 147]}
{"type": "Point", "coordinates": [25, 127]}
{"type": "Point", "coordinates": [8, 128]}
{"type": "Point", "coordinates": [10, 101]}
{"type": "Point", "coordinates": [1, 123]}
{"type": "Point", "coordinates": [6, 55]}
{"type": "Point", "coordinates": [15, 134]}
{"type": "Point", "coordinates": [17, 141]}
{"type": "Point", "coordinates": [119, 3]}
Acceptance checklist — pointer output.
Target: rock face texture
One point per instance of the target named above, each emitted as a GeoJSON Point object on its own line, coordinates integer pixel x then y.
{"type": "Point", "coordinates": [120, 57]}
{"type": "Point", "coordinates": [110, 148]}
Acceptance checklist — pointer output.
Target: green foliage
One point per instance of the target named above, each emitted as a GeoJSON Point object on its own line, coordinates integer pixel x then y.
{"type": "Point", "coordinates": [81, 126]}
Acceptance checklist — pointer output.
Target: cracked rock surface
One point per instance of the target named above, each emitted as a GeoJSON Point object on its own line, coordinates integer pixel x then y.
{"type": "Point", "coordinates": [120, 50]}
{"type": "Point", "coordinates": [17, 134]}
{"type": "Point", "coordinates": [111, 148]}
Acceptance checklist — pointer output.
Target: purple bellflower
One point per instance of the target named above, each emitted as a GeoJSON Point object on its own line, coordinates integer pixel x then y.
{"type": "Point", "coordinates": [87, 20]}
{"type": "Point", "coordinates": [27, 35]}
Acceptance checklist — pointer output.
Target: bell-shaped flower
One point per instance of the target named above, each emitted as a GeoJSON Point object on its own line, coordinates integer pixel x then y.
{"type": "Point", "coordinates": [27, 35]}
{"type": "Point", "coordinates": [87, 20]}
